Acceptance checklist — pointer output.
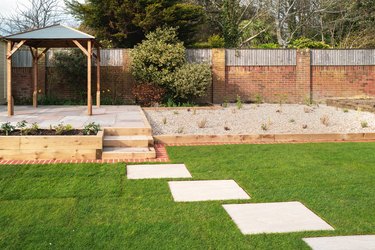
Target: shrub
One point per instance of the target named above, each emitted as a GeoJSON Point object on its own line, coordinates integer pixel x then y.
{"type": "Point", "coordinates": [7, 128]}
{"type": "Point", "coordinates": [91, 129]}
{"type": "Point", "coordinates": [268, 46]}
{"type": "Point", "coordinates": [216, 41]}
{"type": "Point", "coordinates": [148, 94]}
{"type": "Point", "coordinates": [239, 103]}
{"type": "Point", "coordinates": [191, 80]}
{"type": "Point", "coordinates": [364, 124]}
{"type": "Point", "coordinates": [304, 42]}
{"type": "Point", "coordinates": [61, 129]}
{"type": "Point", "coordinates": [22, 126]}
{"type": "Point", "coordinates": [158, 56]}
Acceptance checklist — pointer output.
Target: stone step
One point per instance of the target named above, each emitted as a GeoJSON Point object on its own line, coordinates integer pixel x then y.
{"type": "Point", "coordinates": [128, 153]}
{"type": "Point", "coordinates": [128, 141]}
{"type": "Point", "coordinates": [127, 131]}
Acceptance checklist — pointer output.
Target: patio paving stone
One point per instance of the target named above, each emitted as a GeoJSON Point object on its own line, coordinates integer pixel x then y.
{"type": "Point", "coordinates": [206, 190]}
{"type": "Point", "coordinates": [279, 217]}
{"type": "Point", "coordinates": [355, 242]}
{"type": "Point", "coordinates": [157, 171]}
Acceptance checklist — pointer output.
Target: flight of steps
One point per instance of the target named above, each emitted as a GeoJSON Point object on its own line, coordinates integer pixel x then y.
{"type": "Point", "coordinates": [128, 143]}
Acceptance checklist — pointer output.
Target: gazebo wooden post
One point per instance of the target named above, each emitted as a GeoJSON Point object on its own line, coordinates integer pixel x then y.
{"type": "Point", "coordinates": [35, 77]}
{"type": "Point", "coordinates": [89, 98]}
{"type": "Point", "coordinates": [98, 76]}
{"type": "Point", "coordinates": [9, 79]}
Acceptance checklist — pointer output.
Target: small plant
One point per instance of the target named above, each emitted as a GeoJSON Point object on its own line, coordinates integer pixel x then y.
{"type": "Point", "coordinates": [91, 129]}
{"type": "Point", "coordinates": [264, 126]}
{"type": "Point", "coordinates": [175, 112]}
{"type": "Point", "coordinates": [225, 104]}
{"type": "Point", "coordinates": [194, 111]}
{"type": "Point", "coordinates": [202, 123]}
{"type": "Point", "coordinates": [61, 128]}
{"type": "Point", "coordinates": [325, 120]}
{"type": "Point", "coordinates": [345, 110]}
{"type": "Point", "coordinates": [307, 101]}
{"type": "Point", "coordinates": [180, 130]}
{"type": "Point", "coordinates": [292, 120]}
{"type": "Point", "coordinates": [239, 103]}
{"type": "Point", "coordinates": [307, 109]}
{"type": "Point", "coordinates": [164, 120]}
{"type": "Point", "coordinates": [304, 126]}
{"type": "Point", "coordinates": [282, 99]}
{"type": "Point", "coordinates": [258, 99]}
{"type": "Point", "coordinates": [364, 124]}
{"type": "Point", "coordinates": [33, 129]}
{"type": "Point", "coordinates": [7, 128]}
{"type": "Point", "coordinates": [22, 126]}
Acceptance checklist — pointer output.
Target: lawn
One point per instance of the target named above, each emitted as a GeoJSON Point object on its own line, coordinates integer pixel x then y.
{"type": "Point", "coordinates": [87, 206]}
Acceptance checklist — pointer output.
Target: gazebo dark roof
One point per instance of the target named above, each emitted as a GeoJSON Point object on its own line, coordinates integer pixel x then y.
{"type": "Point", "coordinates": [55, 36]}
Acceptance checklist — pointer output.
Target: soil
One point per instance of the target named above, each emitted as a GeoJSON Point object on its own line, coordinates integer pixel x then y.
{"type": "Point", "coordinates": [43, 132]}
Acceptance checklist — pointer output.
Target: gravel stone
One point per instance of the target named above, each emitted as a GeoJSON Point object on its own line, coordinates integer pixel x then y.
{"type": "Point", "coordinates": [260, 119]}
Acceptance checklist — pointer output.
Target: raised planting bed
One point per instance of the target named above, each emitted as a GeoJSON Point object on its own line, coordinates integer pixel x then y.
{"type": "Point", "coordinates": [48, 146]}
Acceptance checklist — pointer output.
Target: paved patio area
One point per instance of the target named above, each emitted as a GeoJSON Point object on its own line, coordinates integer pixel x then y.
{"type": "Point", "coordinates": [106, 116]}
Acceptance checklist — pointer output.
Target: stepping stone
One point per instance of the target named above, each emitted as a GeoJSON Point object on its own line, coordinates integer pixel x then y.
{"type": "Point", "coordinates": [355, 242]}
{"type": "Point", "coordinates": [280, 217]}
{"type": "Point", "coordinates": [157, 171]}
{"type": "Point", "coordinates": [206, 190]}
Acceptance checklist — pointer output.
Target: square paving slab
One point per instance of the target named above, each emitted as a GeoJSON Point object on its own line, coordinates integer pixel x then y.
{"type": "Point", "coordinates": [280, 217]}
{"type": "Point", "coordinates": [355, 242]}
{"type": "Point", "coordinates": [157, 171]}
{"type": "Point", "coordinates": [206, 190]}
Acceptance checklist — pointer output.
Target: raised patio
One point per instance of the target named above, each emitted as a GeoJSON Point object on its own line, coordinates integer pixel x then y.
{"type": "Point", "coordinates": [127, 133]}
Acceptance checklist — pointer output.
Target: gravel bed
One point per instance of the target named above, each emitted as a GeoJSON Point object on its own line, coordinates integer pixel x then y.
{"type": "Point", "coordinates": [261, 119]}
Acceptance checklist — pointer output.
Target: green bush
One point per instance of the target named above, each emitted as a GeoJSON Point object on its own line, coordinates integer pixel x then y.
{"type": "Point", "coordinates": [214, 41]}
{"type": "Point", "coordinates": [191, 80]}
{"type": "Point", "coordinates": [304, 42]}
{"type": "Point", "coordinates": [158, 57]}
{"type": "Point", "coordinates": [268, 46]}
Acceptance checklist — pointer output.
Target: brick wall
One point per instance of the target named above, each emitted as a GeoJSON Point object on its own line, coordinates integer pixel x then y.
{"type": "Point", "coordinates": [294, 83]}
{"type": "Point", "coordinates": [343, 81]}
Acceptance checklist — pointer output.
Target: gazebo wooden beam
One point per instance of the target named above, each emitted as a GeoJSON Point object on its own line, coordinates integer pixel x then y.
{"type": "Point", "coordinates": [15, 48]}
{"type": "Point", "coordinates": [89, 98]}
{"type": "Point", "coordinates": [98, 76]}
{"type": "Point", "coordinates": [34, 52]}
{"type": "Point", "coordinates": [79, 45]}
{"type": "Point", "coordinates": [9, 80]}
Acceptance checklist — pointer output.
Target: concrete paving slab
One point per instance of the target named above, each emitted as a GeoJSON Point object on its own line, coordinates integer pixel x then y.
{"type": "Point", "coordinates": [206, 190]}
{"type": "Point", "coordinates": [355, 242]}
{"type": "Point", "coordinates": [157, 171]}
{"type": "Point", "coordinates": [279, 217]}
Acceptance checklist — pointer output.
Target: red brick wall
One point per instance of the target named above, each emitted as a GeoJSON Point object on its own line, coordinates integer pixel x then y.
{"type": "Point", "coordinates": [270, 83]}
{"type": "Point", "coordinates": [343, 81]}
{"type": "Point", "coordinates": [292, 83]}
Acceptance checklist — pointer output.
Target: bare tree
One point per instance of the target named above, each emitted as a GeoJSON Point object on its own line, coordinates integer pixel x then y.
{"type": "Point", "coordinates": [32, 15]}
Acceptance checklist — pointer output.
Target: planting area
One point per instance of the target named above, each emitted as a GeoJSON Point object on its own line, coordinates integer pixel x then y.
{"type": "Point", "coordinates": [95, 206]}
{"type": "Point", "coordinates": [261, 119]}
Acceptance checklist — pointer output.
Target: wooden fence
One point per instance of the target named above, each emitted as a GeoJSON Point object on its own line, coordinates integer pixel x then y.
{"type": "Point", "coordinates": [233, 57]}
{"type": "Point", "coordinates": [337, 57]}
{"type": "Point", "coordinates": [260, 57]}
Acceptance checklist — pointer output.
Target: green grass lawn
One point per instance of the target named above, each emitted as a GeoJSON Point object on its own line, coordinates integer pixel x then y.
{"type": "Point", "coordinates": [87, 206]}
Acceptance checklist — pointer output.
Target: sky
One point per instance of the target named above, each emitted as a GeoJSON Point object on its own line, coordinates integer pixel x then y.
{"type": "Point", "coordinates": [9, 6]}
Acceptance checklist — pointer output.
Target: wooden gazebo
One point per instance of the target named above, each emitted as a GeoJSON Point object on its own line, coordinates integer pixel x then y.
{"type": "Point", "coordinates": [56, 36]}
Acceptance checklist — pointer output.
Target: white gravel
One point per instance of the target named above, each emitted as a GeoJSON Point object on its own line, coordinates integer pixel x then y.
{"type": "Point", "coordinates": [261, 119]}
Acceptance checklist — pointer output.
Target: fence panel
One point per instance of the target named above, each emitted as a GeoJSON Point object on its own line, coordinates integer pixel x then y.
{"type": "Point", "coordinates": [260, 57]}
{"type": "Point", "coordinates": [354, 57]}
{"type": "Point", "coordinates": [199, 56]}
{"type": "Point", "coordinates": [22, 58]}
